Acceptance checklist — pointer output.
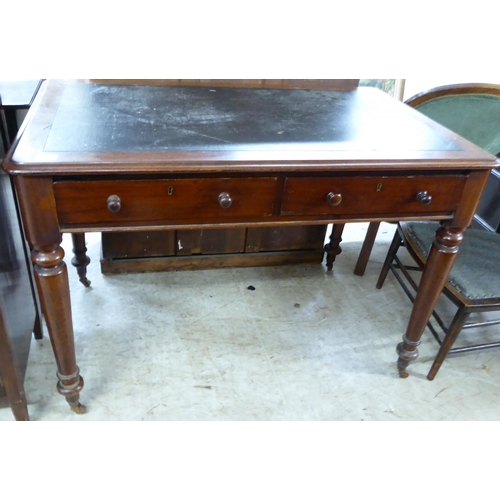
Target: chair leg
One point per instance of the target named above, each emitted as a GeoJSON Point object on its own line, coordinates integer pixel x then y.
{"type": "Point", "coordinates": [366, 249]}
{"type": "Point", "coordinates": [396, 243]}
{"type": "Point", "coordinates": [451, 335]}
{"type": "Point", "coordinates": [80, 260]}
{"type": "Point", "coordinates": [333, 249]}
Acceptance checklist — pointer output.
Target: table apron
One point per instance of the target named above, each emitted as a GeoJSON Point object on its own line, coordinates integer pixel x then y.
{"type": "Point", "coordinates": [264, 201]}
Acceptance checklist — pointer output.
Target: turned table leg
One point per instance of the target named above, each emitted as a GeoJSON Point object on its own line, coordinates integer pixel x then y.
{"type": "Point", "coordinates": [80, 260]}
{"type": "Point", "coordinates": [332, 248]}
{"type": "Point", "coordinates": [38, 208]}
{"type": "Point", "coordinates": [441, 257]}
{"type": "Point", "coordinates": [52, 281]}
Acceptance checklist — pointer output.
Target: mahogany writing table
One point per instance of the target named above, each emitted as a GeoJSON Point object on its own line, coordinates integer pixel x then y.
{"type": "Point", "coordinates": [103, 157]}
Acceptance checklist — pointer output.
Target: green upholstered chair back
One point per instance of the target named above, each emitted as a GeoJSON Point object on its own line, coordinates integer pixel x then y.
{"type": "Point", "coordinates": [470, 110]}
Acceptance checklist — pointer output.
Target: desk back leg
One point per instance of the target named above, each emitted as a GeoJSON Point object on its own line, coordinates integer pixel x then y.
{"type": "Point", "coordinates": [80, 259]}
{"type": "Point", "coordinates": [333, 249]}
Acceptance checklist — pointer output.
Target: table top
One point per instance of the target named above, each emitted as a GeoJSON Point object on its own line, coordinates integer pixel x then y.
{"type": "Point", "coordinates": [79, 127]}
{"type": "Point", "coordinates": [18, 93]}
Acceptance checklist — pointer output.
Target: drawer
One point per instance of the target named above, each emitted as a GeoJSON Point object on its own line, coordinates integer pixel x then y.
{"type": "Point", "coordinates": [90, 202]}
{"type": "Point", "coordinates": [370, 195]}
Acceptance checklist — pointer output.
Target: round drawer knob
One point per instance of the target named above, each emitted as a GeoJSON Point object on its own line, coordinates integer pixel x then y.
{"type": "Point", "coordinates": [225, 200]}
{"type": "Point", "coordinates": [114, 203]}
{"type": "Point", "coordinates": [334, 199]}
{"type": "Point", "coordinates": [424, 198]}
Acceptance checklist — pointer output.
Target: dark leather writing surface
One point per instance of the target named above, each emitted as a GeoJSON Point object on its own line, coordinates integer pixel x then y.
{"type": "Point", "coordinates": [108, 118]}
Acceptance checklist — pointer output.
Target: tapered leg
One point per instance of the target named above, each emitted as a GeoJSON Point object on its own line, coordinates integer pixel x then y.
{"type": "Point", "coordinates": [436, 270]}
{"type": "Point", "coordinates": [451, 335]}
{"type": "Point", "coordinates": [366, 249]}
{"type": "Point", "coordinates": [80, 260]}
{"type": "Point", "coordinates": [333, 249]}
{"type": "Point", "coordinates": [38, 209]}
{"type": "Point", "coordinates": [52, 280]}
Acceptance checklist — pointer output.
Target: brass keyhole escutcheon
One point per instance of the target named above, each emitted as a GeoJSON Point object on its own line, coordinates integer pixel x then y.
{"type": "Point", "coordinates": [379, 186]}
{"type": "Point", "coordinates": [170, 190]}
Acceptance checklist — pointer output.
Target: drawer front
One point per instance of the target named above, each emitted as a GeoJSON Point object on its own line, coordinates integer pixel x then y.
{"type": "Point", "coordinates": [80, 202]}
{"type": "Point", "coordinates": [380, 195]}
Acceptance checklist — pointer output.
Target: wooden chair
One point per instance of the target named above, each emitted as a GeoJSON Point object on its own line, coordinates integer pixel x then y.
{"type": "Point", "coordinates": [472, 111]}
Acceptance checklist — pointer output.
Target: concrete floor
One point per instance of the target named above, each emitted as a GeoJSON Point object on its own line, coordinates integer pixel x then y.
{"type": "Point", "coordinates": [306, 344]}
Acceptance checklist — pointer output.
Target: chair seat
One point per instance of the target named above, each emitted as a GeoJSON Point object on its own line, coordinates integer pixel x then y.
{"type": "Point", "coordinates": [476, 273]}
